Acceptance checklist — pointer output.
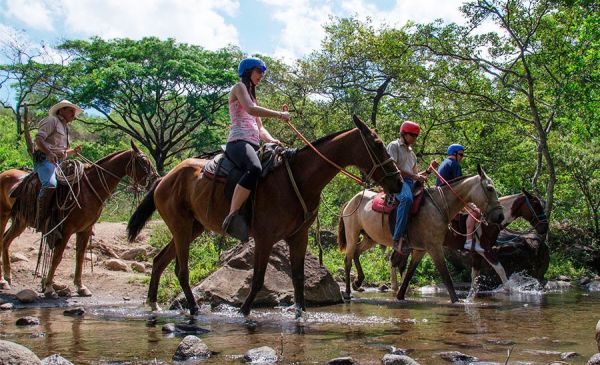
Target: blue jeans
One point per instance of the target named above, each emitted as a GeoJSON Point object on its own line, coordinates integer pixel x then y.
{"type": "Point", "coordinates": [46, 173]}
{"type": "Point", "coordinates": [405, 199]}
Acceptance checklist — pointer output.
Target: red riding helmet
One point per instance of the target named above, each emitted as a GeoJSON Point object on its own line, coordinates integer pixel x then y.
{"type": "Point", "coordinates": [410, 127]}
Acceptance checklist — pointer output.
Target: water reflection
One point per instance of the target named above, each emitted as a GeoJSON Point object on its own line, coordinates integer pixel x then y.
{"type": "Point", "coordinates": [368, 327]}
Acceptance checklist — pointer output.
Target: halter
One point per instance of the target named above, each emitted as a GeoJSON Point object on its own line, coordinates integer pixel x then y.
{"type": "Point", "coordinates": [540, 218]}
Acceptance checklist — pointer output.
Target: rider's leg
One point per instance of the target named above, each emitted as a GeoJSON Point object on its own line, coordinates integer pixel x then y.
{"type": "Point", "coordinates": [471, 244]}
{"type": "Point", "coordinates": [405, 200]}
{"type": "Point", "coordinates": [240, 194]}
{"type": "Point", "coordinates": [47, 174]}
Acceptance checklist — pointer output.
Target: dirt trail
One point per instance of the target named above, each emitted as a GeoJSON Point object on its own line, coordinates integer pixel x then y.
{"type": "Point", "coordinates": [107, 286]}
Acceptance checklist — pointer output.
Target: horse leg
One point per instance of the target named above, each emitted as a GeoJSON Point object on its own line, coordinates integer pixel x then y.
{"type": "Point", "coordinates": [360, 275]}
{"type": "Point", "coordinates": [416, 257]}
{"type": "Point", "coordinates": [16, 228]}
{"type": "Point", "coordinates": [182, 237]}
{"type": "Point", "coordinates": [57, 254]}
{"type": "Point", "coordinates": [297, 244]}
{"type": "Point", "coordinates": [393, 277]}
{"type": "Point", "coordinates": [351, 248]}
{"type": "Point", "coordinates": [159, 263]}
{"type": "Point", "coordinates": [475, 270]}
{"type": "Point", "coordinates": [262, 251]}
{"type": "Point", "coordinates": [492, 259]}
{"type": "Point", "coordinates": [3, 221]}
{"type": "Point", "coordinates": [83, 239]}
{"type": "Point", "coordinates": [437, 256]}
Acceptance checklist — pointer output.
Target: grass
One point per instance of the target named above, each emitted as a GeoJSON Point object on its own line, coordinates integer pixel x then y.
{"type": "Point", "coordinates": [562, 265]}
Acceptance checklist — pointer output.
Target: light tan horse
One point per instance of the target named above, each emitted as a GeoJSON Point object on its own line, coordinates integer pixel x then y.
{"type": "Point", "coordinates": [360, 227]}
{"type": "Point", "coordinates": [102, 179]}
{"type": "Point", "coordinates": [524, 205]}
{"type": "Point", "coordinates": [183, 199]}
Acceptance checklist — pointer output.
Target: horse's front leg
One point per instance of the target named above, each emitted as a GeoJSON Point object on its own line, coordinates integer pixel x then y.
{"type": "Point", "coordinates": [494, 262]}
{"type": "Point", "coordinates": [297, 244]}
{"type": "Point", "coordinates": [416, 257]}
{"type": "Point", "coordinates": [262, 251]}
{"type": "Point", "coordinates": [437, 255]}
{"type": "Point", "coordinates": [57, 254]}
{"type": "Point", "coordinates": [82, 241]}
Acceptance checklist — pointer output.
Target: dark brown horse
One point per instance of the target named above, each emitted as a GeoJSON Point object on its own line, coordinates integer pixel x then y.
{"type": "Point", "coordinates": [183, 195]}
{"type": "Point", "coordinates": [102, 179]}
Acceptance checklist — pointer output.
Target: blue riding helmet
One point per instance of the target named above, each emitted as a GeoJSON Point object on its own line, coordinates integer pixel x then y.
{"type": "Point", "coordinates": [250, 63]}
{"type": "Point", "coordinates": [454, 148]}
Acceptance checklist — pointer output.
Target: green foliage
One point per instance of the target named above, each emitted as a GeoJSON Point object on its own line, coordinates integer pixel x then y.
{"type": "Point", "coordinates": [561, 265]}
{"type": "Point", "coordinates": [13, 152]}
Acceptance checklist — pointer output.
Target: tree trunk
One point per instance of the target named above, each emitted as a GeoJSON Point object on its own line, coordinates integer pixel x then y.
{"type": "Point", "coordinates": [26, 132]}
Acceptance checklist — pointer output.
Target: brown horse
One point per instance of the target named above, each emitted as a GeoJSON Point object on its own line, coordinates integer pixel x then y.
{"type": "Point", "coordinates": [183, 196]}
{"type": "Point", "coordinates": [102, 179]}
{"type": "Point", "coordinates": [523, 205]}
{"type": "Point", "coordinates": [426, 229]}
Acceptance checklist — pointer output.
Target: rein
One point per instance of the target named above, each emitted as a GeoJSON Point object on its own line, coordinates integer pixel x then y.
{"type": "Point", "coordinates": [468, 209]}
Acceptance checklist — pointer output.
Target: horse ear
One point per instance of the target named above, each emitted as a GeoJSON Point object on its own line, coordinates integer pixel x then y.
{"type": "Point", "coordinates": [134, 147]}
{"type": "Point", "coordinates": [360, 124]}
{"type": "Point", "coordinates": [480, 171]}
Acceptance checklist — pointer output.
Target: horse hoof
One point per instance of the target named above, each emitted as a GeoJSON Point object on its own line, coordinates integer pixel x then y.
{"type": "Point", "coordinates": [346, 296]}
{"type": "Point", "coordinates": [194, 310]}
{"type": "Point", "coordinates": [154, 307]}
{"type": "Point", "coordinates": [245, 312]}
{"type": "Point", "coordinates": [51, 295]}
{"type": "Point", "coordinates": [59, 286]}
{"type": "Point", "coordinates": [84, 292]}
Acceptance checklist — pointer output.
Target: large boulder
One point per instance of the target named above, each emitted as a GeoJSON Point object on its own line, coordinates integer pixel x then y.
{"type": "Point", "coordinates": [14, 354]}
{"type": "Point", "coordinates": [517, 252]}
{"type": "Point", "coordinates": [231, 283]}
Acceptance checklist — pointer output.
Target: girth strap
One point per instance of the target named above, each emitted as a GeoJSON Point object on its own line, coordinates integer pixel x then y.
{"type": "Point", "coordinates": [307, 214]}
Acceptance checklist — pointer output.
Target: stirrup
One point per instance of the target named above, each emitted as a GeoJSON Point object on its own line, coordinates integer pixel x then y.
{"type": "Point", "coordinates": [474, 246]}
{"type": "Point", "coordinates": [235, 226]}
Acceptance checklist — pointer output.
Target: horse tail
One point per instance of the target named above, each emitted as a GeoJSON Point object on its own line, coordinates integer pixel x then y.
{"type": "Point", "coordinates": [341, 237]}
{"type": "Point", "coordinates": [142, 214]}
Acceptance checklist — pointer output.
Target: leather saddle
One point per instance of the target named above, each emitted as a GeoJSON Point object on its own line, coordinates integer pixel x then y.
{"type": "Point", "coordinates": [223, 170]}
{"type": "Point", "coordinates": [387, 204]}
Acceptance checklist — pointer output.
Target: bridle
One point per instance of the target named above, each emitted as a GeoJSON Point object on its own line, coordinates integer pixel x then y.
{"type": "Point", "coordinates": [148, 172]}
{"type": "Point", "coordinates": [537, 219]}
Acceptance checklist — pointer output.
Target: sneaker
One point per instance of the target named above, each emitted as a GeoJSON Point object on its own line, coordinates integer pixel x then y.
{"type": "Point", "coordinates": [473, 246]}
{"type": "Point", "coordinates": [235, 226]}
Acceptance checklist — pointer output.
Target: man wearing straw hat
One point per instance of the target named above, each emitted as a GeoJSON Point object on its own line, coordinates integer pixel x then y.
{"type": "Point", "coordinates": [51, 148]}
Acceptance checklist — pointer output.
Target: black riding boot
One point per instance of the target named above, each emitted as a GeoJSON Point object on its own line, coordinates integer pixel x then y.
{"type": "Point", "coordinates": [235, 225]}
{"type": "Point", "coordinates": [44, 209]}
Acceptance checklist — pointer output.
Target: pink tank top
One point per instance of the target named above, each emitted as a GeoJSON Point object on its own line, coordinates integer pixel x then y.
{"type": "Point", "coordinates": [243, 125]}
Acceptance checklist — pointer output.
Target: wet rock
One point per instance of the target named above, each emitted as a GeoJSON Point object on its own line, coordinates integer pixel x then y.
{"type": "Point", "coordinates": [64, 293]}
{"type": "Point", "coordinates": [116, 265]}
{"type": "Point", "coordinates": [17, 256]}
{"type": "Point", "coordinates": [191, 347]}
{"type": "Point", "coordinates": [27, 296]}
{"type": "Point", "coordinates": [55, 360]}
{"type": "Point", "coordinates": [134, 254]}
{"type": "Point", "coordinates": [593, 286]}
{"type": "Point", "coordinates": [37, 334]}
{"type": "Point", "coordinates": [184, 328]}
{"type": "Point", "coordinates": [568, 355]}
{"type": "Point", "coordinates": [383, 288]}
{"type": "Point", "coordinates": [557, 285]}
{"type": "Point", "coordinates": [28, 321]}
{"type": "Point", "coordinates": [264, 355]}
{"type": "Point", "coordinates": [457, 357]}
{"type": "Point", "coordinates": [391, 359]}
{"type": "Point", "coordinates": [398, 351]}
{"type": "Point", "coordinates": [342, 361]}
{"type": "Point", "coordinates": [138, 267]}
{"type": "Point", "coordinates": [230, 283]}
{"type": "Point", "coordinates": [594, 360]}
{"type": "Point", "coordinates": [13, 353]}
{"type": "Point", "coordinates": [74, 312]}
{"type": "Point", "coordinates": [564, 278]}
{"type": "Point", "coordinates": [6, 306]}
{"type": "Point", "coordinates": [582, 282]}
{"type": "Point", "coordinates": [497, 341]}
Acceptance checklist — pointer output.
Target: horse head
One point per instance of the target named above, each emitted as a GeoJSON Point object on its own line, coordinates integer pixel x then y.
{"type": "Point", "coordinates": [377, 163]}
{"type": "Point", "coordinates": [533, 209]}
{"type": "Point", "coordinates": [486, 198]}
{"type": "Point", "coordinates": [140, 169]}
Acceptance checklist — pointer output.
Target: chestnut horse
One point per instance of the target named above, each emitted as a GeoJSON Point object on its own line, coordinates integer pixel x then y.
{"type": "Point", "coordinates": [183, 195]}
{"type": "Point", "coordinates": [523, 205]}
{"type": "Point", "coordinates": [426, 230]}
{"type": "Point", "coordinates": [102, 179]}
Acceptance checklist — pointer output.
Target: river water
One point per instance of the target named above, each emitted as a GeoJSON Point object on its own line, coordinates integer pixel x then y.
{"type": "Point", "coordinates": [536, 326]}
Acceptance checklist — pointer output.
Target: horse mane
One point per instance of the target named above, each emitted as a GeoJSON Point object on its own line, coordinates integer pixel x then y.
{"type": "Point", "coordinates": [325, 139]}
{"type": "Point", "coordinates": [517, 203]}
{"type": "Point", "coordinates": [108, 157]}
{"type": "Point", "coordinates": [459, 179]}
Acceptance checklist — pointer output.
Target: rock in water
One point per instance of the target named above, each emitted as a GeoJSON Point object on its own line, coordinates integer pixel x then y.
{"type": "Point", "coordinates": [13, 353]}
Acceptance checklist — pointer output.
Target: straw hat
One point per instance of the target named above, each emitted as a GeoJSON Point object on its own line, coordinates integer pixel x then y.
{"type": "Point", "coordinates": [64, 104]}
